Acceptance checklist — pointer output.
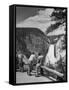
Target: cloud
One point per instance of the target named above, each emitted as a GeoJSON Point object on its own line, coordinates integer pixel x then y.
{"type": "Point", "coordinates": [46, 12]}
{"type": "Point", "coordinates": [42, 20]}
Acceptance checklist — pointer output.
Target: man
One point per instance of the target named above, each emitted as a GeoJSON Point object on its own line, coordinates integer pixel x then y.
{"type": "Point", "coordinates": [32, 59]}
{"type": "Point", "coordinates": [39, 62]}
{"type": "Point", "coordinates": [20, 60]}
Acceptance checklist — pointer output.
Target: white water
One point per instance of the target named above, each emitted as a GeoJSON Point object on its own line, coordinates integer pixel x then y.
{"type": "Point", "coordinates": [50, 58]}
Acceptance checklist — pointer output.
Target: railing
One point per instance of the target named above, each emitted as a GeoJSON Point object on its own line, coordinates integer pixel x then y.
{"type": "Point", "coordinates": [53, 71]}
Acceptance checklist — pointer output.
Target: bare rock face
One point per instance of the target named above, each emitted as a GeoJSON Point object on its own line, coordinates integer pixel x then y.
{"type": "Point", "coordinates": [31, 40]}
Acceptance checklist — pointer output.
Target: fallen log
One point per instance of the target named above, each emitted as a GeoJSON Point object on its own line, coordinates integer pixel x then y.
{"type": "Point", "coordinates": [53, 71]}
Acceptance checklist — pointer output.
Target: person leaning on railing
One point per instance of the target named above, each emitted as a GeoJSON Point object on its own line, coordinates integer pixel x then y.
{"type": "Point", "coordinates": [39, 61]}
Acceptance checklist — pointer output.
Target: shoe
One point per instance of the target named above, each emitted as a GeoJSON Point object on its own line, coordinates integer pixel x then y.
{"type": "Point", "coordinates": [37, 75]}
{"type": "Point", "coordinates": [29, 74]}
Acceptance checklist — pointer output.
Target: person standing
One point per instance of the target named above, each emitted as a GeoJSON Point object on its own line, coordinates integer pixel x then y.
{"type": "Point", "coordinates": [20, 61]}
{"type": "Point", "coordinates": [39, 62]}
{"type": "Point", "coordinates": [30, 64]}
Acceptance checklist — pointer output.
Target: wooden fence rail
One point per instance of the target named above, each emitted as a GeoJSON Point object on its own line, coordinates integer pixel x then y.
{"type": "Point", "coordinates": [53, 71]}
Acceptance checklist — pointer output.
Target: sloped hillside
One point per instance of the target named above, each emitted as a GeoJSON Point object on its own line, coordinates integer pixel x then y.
{"type": "Point", "coordinates": [31, 40]}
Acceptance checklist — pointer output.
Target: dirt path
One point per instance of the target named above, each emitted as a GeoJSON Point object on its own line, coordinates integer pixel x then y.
{"type": "Point", "coordinates": [24, 78]}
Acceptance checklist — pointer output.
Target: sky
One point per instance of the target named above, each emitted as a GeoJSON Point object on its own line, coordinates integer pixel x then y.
{"type": "Point", "coordinates": [23, 13]}
{"type": "Point", "coordinates": [34, 17]}
{"type": "Point", "coordinates": [37, 18]}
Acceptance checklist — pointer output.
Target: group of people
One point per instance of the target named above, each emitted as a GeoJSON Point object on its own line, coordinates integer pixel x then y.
{"type": "Point", "coordinates": [33, 62]}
